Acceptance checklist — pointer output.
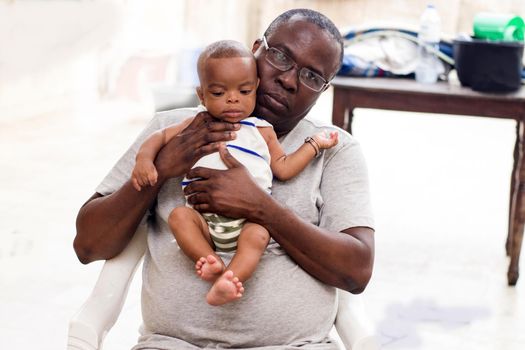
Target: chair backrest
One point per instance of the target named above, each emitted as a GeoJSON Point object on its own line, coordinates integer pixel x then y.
{"type": "Point", "coordinates": [98, 314]}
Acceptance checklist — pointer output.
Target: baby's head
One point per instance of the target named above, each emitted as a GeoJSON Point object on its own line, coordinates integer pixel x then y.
{"type": "Point", "coordinates": [228, 80]}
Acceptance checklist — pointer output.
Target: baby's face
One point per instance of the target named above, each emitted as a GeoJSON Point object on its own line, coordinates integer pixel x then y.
{"type": "Point", "coordinates": [228, 87]}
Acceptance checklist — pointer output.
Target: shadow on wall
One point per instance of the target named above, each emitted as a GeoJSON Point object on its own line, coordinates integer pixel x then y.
{"type": "Point", "coordinates": [400, 326]}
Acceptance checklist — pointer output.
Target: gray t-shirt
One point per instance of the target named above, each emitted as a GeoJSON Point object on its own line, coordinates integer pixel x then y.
{"type": "Point", "coordinates": [283, 307]}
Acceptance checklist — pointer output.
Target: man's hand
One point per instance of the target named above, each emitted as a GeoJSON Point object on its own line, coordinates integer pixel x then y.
{"type": "Point", "coordinates": [232, 193]}
{"type": "Point", "coordinates": [201, 137]}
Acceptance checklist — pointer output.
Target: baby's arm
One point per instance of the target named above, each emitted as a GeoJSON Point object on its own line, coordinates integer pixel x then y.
{"type": "Point", "coordinates": [144, 172]}
{"type": "Point", "coordinates": [285, 166]}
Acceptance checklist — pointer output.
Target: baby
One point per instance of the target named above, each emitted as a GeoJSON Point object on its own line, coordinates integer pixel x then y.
{"type": "Point", "coordinates": [228, 82]}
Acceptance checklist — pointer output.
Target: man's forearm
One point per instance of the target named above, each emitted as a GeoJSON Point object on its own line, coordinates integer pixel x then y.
{"type": "Point", "coordinates": [106, 224]}
{"type": "Point", "coordinates": [341, 259]}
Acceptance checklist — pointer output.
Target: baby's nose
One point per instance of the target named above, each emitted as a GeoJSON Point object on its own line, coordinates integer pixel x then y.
{"type": "Point", "coordinates": [233, 97]}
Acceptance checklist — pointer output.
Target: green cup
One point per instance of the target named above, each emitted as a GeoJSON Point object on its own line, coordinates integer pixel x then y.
{"type": "Point", "coordinates": [498, 26]}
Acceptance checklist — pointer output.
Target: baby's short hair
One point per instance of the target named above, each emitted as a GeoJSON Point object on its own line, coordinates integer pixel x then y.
{"type": "Point", "coordinates": [222, 49]}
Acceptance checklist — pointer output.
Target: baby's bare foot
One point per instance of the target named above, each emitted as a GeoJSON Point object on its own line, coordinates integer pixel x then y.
{"type": "Point", "coordinates": [227, 288]}
{"type": "Point", "coordinates": [209, 268]}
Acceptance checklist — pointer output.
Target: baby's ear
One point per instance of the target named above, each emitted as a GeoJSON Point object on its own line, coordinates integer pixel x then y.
{"type": "Point", "coordinates": [258, 81]}
{"type": "Point", "coordinates": [200, 94]}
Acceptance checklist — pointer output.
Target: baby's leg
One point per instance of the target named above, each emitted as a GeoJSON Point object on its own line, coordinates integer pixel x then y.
{"type": "Point", "coordinates": [250, 247]}
{"type": "Point", "coordinates": [193, 237]}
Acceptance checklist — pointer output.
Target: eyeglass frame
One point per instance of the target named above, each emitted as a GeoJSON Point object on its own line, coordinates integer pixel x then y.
{"type": "Point", "coordinates": [294, 64]}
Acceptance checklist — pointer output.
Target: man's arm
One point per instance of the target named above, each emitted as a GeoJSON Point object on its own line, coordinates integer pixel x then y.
{"type": "Point", "coordinates": [341, 259]}
{"type": "Point", "coordinates": [106, 224]}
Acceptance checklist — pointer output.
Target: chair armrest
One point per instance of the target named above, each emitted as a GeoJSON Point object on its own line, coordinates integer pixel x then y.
{"type": "Point", "coordinates": [353, 324]}
{"type": "Point", "coordinates": [90, 324]}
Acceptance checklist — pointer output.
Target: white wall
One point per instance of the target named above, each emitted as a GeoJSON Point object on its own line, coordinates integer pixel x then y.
{"type": "Point", "coordinates": [62, 54]}
{"type": "Point", "coordinates": [50, 50]}
{"type": "Point", "coordinates": [57, 55]}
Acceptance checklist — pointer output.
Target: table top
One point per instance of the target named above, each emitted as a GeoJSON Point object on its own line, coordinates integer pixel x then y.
{"type": "Point", "coordinates": [410, 86]}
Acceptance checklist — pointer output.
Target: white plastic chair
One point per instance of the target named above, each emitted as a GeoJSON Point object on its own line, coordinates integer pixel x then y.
{"type": "Point", "coordinates": [99, 313]}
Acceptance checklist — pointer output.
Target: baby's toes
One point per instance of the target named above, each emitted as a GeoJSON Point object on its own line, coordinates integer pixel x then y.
{"type": "Point", "coordinates": [199, 263]}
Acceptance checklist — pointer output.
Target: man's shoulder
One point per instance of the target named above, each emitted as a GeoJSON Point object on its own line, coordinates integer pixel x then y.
{"type": "Point", "coordinates": [174, 116]}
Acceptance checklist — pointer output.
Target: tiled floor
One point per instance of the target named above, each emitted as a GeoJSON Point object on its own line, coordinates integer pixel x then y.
{"type": "Point", "coordinates": [440, 189]}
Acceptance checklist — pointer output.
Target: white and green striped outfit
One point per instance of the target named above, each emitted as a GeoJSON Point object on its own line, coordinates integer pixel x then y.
{"type": "Point", "coordinates": [251, 150]}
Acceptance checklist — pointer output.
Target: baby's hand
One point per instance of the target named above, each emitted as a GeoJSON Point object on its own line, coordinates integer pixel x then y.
{"type": "Point", "coordinates": [326, 140]}
{"type": "Point", "coordinates": [144, 174]}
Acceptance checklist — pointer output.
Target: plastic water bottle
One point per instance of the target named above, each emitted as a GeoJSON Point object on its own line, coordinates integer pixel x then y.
{"type": "Point", "coordinates": [428, 66]}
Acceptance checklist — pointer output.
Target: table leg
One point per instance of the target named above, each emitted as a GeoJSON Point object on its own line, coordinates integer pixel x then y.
{"type": "Point", "coordinates": [518, 222]}
{"type": "Point", "coordinates": [350, 118]}
{"type": "Point", "coordinates": [342, 112]}
{"type": "Point", "coordinates": [513, 191]}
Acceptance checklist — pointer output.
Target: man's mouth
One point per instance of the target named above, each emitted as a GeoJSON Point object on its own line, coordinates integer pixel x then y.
{"type": "Point", "coordinates": [276, 101]}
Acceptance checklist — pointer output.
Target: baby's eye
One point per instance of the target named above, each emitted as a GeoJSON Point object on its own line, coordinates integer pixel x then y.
{"type": "Point", "coordinates": [217, 93]}
{"type": "Point", "coordinates": [246, 92]}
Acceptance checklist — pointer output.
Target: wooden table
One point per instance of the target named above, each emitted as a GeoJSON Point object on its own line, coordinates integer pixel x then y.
{"type": "Point", "coordinates": [408, 95]}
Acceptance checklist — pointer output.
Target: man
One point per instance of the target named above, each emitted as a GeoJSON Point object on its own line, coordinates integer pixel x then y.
{"type": "Point", "coordinates": [320, 222]}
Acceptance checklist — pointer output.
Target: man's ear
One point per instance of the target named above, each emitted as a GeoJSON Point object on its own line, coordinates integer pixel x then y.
{"type": "Point", "coordinates": [200, 94]}
{"type": "Point", "coordinates": [256, 44]}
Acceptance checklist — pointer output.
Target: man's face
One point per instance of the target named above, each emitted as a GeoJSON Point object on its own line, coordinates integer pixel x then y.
{"type": "Point", "coordinates": [228, 87]}
{"type": "Point", "coordinates": [281, 98]}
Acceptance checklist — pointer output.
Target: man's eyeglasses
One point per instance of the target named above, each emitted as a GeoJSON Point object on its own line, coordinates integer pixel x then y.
{"type": "Point", "coordinates": [282, 62]}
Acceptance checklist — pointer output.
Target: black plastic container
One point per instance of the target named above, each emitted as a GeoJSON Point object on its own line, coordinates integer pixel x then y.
{"type": "Point", "coordinates": [489, 66]}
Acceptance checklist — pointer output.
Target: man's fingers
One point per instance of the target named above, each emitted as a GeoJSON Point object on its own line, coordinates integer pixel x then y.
{"type": "Point", "coordinates": [197, 185]}
{"type": "Point", "coordinates": [200, 119]}
{"type": "Point", "coordinates": [227, 158]}
{"type": "Point", "coordinates": [206, 138]}
{"type": "Point", "coordinates": [207, 149]}
{"type": "Point", "coordinates": [218, 136]}
{"type": "Point", "coordinates": [204, 120]}
{"type": "Point", "coordinates": [215, 126]}
{"type": "Point", "coordinates": [199, 172]}
{"type": "Point", "coordinates": [203, 208]}
{"type": "Point", "coordinates": [198, 199]}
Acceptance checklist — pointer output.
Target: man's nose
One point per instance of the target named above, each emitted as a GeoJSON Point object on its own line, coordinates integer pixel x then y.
{"type": "Point", "coordinates": [289, 79]}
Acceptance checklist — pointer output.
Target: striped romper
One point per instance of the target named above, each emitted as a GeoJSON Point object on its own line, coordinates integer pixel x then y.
{"type": "Point", "coordinates": [250, 149]}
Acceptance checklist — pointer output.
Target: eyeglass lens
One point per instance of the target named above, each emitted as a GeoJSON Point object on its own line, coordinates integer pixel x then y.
{"type": "Point", "coordinates": [281, 61]}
